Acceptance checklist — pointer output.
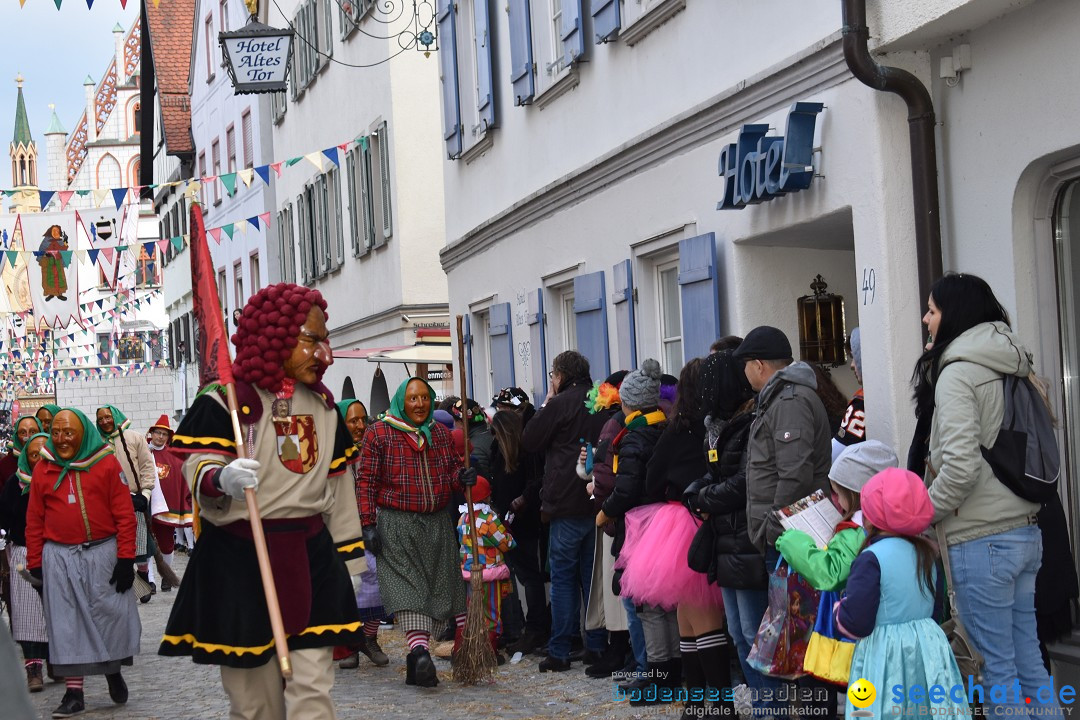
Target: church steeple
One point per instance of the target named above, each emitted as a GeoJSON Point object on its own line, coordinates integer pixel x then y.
{"type": "Point", "coordinates": [24, 157]}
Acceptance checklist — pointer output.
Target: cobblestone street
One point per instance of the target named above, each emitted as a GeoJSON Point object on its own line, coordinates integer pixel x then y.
{"type": "Point", "coordinates": [174, 689]}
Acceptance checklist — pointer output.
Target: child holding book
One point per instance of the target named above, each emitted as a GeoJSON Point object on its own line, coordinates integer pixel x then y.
{"type": "Point", "coordinates": [892, 595]}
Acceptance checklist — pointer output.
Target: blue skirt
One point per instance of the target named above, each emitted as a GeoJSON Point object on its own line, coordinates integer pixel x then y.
{"type": "Point", "coordinates": [907, 654]}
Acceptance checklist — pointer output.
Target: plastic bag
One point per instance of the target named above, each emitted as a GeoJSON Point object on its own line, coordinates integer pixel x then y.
{"type": "Point", "coordinates": [784, 634]}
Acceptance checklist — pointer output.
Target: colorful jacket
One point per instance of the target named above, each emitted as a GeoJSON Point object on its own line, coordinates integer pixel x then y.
{"type": "Point", "coordinates": [495, 539]}
{"type": "Point", "coordinates": [828, 568]}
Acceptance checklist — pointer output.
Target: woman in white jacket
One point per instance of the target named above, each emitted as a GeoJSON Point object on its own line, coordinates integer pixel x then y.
{"type": "Point", "coordinates": [994, 543]}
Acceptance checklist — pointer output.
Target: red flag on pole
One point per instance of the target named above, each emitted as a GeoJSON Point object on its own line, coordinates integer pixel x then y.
{"type": "Point", "coordinates": [213, 350]}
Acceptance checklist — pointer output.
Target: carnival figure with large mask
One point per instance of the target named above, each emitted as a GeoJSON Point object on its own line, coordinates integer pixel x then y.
{"type": "Point", "coordinates": [408, 474]}
{"type": "Point", "coordinates": [80, 542]}
{"type": "Point", "coordinates": [298, 452]}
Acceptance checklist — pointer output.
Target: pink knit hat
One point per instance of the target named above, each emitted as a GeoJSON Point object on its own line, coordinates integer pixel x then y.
{"type": "Point", "coordinates": [896, 501]}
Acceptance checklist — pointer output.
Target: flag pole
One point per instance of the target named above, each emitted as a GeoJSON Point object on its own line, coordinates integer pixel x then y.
{"type": "Point", "coordinates": [217, 365]}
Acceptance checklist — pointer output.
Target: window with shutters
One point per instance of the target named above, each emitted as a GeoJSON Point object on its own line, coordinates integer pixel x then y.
{"type": "Point", "coordinates": [557, 42]}
{"type": "Point", "coordinates": [378, 172]}
{"type": "Point", "coordinates": [314, 42]}
{"type": "Point", "coordinates": [215, 157]}
{"type": "Point", "coordinates": [361, 202]}
{"type": "Point", "coordinates": [561, 333]}
{"type": "Point", "coordinates": [669, 316]}
{"type": "Point", "coordinates": [350, 12]}
{"type": "Point", "coordinates": [466, 74]}
{"type": "Point", "coordinates": [238, 287]}
{"type": "Point", "coordinates": [254, 273]}
{"type": "Point", "coordinates": [336, 233]}
{"type": "Point", "coordinates": [202, 181]}
{"type": "Point", "coordinates": [208, 27]}
{"type": "Point", "coordinates": [223, 293]}
{"type": "Point", "coordinates": [325, 12]}
{"type": "Point", "coordinates": [230, 148]}
{"type": "Point", "coordinates": [287, 244]}
{"type": "Point", "coordinates": [279, 103]}
{"type": "Point", "coordinates": [249, 147]}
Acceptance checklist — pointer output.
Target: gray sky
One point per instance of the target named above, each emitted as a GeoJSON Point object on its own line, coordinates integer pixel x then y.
{"type": "Point", "coordinates": [54, 50]}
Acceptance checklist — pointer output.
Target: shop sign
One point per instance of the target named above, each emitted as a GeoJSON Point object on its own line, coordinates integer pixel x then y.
{"type": "Point", "coordinates": [759, 167]}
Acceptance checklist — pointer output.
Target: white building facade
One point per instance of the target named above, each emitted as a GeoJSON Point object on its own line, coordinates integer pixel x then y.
{"type": "Point", "coordinates": [365, 231]}
{"type": "Point", "coordinates": [231, 136]}
{"type": "Point", "coordinates": [582, 198]}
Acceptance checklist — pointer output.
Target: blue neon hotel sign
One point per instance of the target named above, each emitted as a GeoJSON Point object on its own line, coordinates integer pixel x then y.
{"type": "Point", "coordinates": [759, 167]}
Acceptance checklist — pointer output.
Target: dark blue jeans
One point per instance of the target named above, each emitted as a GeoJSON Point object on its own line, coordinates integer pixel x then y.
{"type": "Point", "coordinates": [570, 558]}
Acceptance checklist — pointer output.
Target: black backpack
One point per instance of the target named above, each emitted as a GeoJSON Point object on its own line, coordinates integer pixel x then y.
{"type": "Point", "coordinates": [1025, 455]}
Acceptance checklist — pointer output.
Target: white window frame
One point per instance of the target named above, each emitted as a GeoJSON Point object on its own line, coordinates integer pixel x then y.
{"type": "Point", "coordinates": [350, 21]}
{"type": "Point", "coordinates": [473, 131]}
{"type": "Point", "coordinates": [279, 101]}
{"type": "Point", "coordinates": [547, 47]}
{"type": "Point", "coordinates": [640, 17]}
{"type": "Point", "coordinates": [481, 352]}
{"type": "Point", "coordinates": [287, 238]}
{"type": "Point", "coordinates": [664, 340]}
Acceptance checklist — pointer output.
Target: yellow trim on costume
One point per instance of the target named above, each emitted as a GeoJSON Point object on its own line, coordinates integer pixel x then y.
{"type": "Point", "coordinates": [358, 545]}
{"type": "Point", "coordinates": [190, 440]}
{"type": "Point", "coordinates": [338, 462]}
{"type": "Point", "coordinates": [174, 518]}
{"type": "Point", "coordinates": [232, 649]}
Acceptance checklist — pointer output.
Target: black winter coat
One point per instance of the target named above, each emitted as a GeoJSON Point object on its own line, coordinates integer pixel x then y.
{"type": "Point", "coordinates": [557, 431]}
{"type": "Point", "coordinates": [677, 460]}
{"type": "Point", "coordinates": [506, 487]}
{"type": "Point", "coordinates": [738, 564]}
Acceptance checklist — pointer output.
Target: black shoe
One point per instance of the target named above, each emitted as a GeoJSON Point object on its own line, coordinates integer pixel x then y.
{"type": "Point", "coordinates": [165, 586]}
{"type": "Point", "coordinates": [553, 664]}
{"type": "Point", "coordinates": [350, 663]}
{"type": "Point", "coordinates": [528, 642]}
{"type": "Point", "coordinates": [71, 704]}
{"type": "Point", "coordinates": [612, 662]}
{"type": "Point", "coordinates": [118, 689]}
{"type": "Point", "coordinates": [62, 297]}
{"type": "Point", "coordinates": [410, 669]}
{"type": "Point", "coordinates": [153, 588]}
{"type": "Point", "coordinates": [424, 674]}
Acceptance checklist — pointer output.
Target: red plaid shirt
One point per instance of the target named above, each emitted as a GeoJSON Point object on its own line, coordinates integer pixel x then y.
{"type": "Point", "coordinates": [392, 473]}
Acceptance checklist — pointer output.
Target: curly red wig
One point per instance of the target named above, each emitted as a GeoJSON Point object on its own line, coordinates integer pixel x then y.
{"type": "Point", "coordinates": [268, 331]}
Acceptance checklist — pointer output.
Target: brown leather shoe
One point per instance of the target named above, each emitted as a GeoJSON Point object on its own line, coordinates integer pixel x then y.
{"type": "Point", "coordinates": [351, 662]}
{"type": "Point", "coordinates": [34, 682]}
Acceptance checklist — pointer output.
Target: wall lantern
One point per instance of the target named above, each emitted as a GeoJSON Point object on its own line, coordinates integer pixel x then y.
{"type": "Point", "coordinates": [821, 326]}
{"type": "Point", "coordinates": [257, 57]}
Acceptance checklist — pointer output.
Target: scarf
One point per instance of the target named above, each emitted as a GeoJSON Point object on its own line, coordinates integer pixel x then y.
{"type": "Point", "coordinates": [93, 449]}
{"type": "Point", "coordinates": [16, 445]}
{"type": "Point", "coordinates": [25, 471]}
{"type": "Point", "coordinates": [53, 409]}
{"type": "Point", "coordinates": [632, 422]}
{"type": "Point", "coordinates": [395, 417]}
{"type": "Point", "coordinates": [120, 422]}
{"type": "Point", "coordinates": [344, 405]}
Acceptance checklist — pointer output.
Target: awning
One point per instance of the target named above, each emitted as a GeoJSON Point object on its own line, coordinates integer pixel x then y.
{"type": "Point", "coordinates": [364, 353]}
{"type": "Point", "coordinates": [423, 354]}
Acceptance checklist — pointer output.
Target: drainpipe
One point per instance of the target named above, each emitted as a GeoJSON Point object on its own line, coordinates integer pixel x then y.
{"type": "Point", "coordinates": [921, 135]}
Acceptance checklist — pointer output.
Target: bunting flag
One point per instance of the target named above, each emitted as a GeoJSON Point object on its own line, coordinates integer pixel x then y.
{"type": "Point", "coordinates": [213, 350]}
{"type": "Point", "coordinates": [229, 181]}
{"type": "Point", "coordinates": [265, 217]}
{"type": "Point", "coordinates": [277, 169]}
{"type": "Point", "coordinates": [228, 229]}
{"type": "Point", "coordinates": [216, 234]}
{"type": "Point", "coordinates": [254, 222]}
{"type": "Point", "coordinates": [263, 171]}
{"type": "Point", "coordinates": [246, 175]}
{"type": "Point", "coordinates": [118, 196]}
{"type": "Point", "coordinates": [65, 196]}
{"type": "Point", "coordinates": [44, 196]}
{"type": "Point", "coordinates": [332, 155]}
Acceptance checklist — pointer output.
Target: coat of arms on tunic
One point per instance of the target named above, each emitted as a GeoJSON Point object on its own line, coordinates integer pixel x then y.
{"type": "Point", "coordinates": [297, 443]}
{"type": "Point", "coordinates": [162, 472]}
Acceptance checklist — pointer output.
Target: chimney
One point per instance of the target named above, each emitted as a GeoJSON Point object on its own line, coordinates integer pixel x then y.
{"type": "Point", "coordinates": [91, 112]}
{"type": "Point", "coordinates": [118, 41]}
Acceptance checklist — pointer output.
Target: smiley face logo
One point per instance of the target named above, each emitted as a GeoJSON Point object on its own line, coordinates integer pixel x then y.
{"type": "Point", "coordinates": [862, 693]}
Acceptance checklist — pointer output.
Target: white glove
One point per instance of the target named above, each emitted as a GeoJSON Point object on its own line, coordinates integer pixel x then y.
{"type": "Point", "coordinates": [238, 475]}
{"type": "Point", "coordinates": [356, 583]}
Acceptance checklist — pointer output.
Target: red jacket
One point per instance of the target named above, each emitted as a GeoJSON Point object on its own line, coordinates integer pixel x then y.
{"type": "Point", "coordinates": [105, 497]}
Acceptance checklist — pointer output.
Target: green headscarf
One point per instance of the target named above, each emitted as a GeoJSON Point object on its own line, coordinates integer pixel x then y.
{"type": "Point", "coordinates": [93, 449]}
{"type": "Point", "coordinates": [397, 418]}
{"type": "Point", "coordinates": [53, 409]}
{"type": "Point", "coordinates": [344, 405]}
{"type": "Point", "coordinates": [25, 471]}
{"type": "Point", "coordinates": [119, 419]}
{"type": "Point", "coordinates": [16, 445]}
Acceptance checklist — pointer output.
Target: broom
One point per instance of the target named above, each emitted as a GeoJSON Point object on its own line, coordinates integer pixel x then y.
{"type": "Point", "coordinates": [475, 660]}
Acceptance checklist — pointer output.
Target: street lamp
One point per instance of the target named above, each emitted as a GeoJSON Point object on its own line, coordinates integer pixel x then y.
{"type": "Point", "coordinates": [257, 57]}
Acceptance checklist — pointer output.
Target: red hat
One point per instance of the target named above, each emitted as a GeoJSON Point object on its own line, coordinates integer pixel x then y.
{"type": "Point", "coordinates": [162, 424]}
{"type": "Point", "coordinates": [481, 490]}
{"type": "Point", "coordinates": [896, 501]}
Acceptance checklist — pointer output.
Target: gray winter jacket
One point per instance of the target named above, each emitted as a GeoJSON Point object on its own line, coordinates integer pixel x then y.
{"type": "Point", "coordinates": [969, 405]}
{"type": "Point", "coordinates": [790, 450]}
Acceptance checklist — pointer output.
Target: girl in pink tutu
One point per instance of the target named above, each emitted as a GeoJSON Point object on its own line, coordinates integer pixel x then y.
{"type": "Point", "coordinates": [632, 508]}
{"type": "Point", "coordinates": [657, 572]}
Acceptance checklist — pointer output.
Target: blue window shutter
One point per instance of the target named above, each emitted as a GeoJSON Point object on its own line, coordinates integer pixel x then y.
{"type": "Point", "coordinates": [573, 35]}
{"type": "Point", "coordinates": [534, 318]}
{"type": "Point", "coordinates": [590, 311]}
{"type": "Point", "coordinates": [485, 101]}
{"type": "Point", "coordinates": [447, 19]}
{"type": "Point", "coordinates": [699, 285]}
{"type": "Point", "coordinates": [521, 51]}
{"type": "Point", "coordinates": [502, 346]}
{"type": "Point", "coordinates": [623, 299]}
{"type": "Point", "coordinates": [606, 24]}
{"type": "Point", "coordinates": [468, 355]}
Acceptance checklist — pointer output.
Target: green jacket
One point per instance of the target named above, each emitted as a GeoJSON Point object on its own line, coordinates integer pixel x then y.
{"type": "Point", "coordinates": [826, 569]}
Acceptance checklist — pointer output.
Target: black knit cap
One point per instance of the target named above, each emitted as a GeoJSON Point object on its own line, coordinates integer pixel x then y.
{"type": "Point", "coordinates": [764, 343]}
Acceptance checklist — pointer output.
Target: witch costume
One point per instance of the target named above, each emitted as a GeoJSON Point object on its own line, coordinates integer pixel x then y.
{"type": "Point", "coordinates": [80, 534]}
{"type": "Point", "coordinates": [140, 474]}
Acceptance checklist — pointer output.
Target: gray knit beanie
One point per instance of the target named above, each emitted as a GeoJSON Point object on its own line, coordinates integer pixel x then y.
{"type": "Point", "coordinates": [856, 350]}
{"type": "Point", "coordinates": [860, 462]}
{"type": "Point", "coordinates": [640, 389]}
